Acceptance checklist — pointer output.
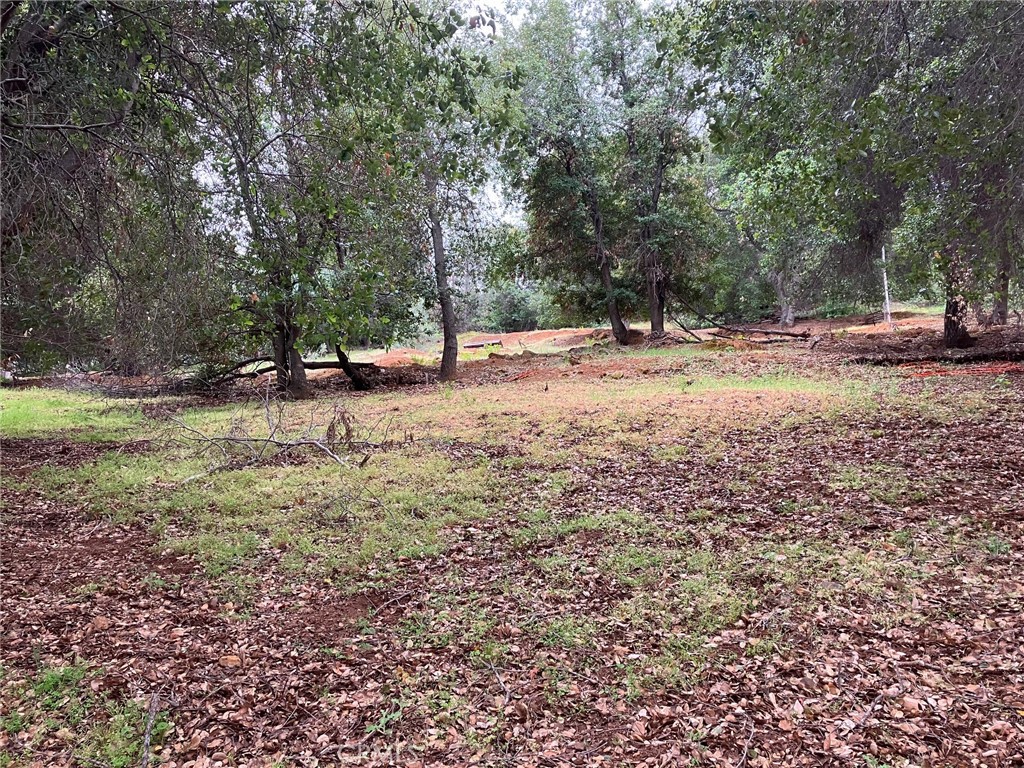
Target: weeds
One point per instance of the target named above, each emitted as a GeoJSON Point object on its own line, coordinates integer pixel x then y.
{"type": "Point", "coordinates": [60, 701]}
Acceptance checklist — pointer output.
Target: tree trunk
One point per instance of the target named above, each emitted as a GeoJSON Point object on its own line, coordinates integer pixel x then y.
{"type": "Point", "coordinates": [291, 373]}
{"type": "Point", "coordinates": [280, 345]}
{"type": "Point", "coordinates": [450, 353]}
{"type": "Point", "coordinates": [1001, 291]}
{"type": "Point", "coordinates": [619, 330]}
{"type": "Point", "coordinates": [787, 311]}
{"type": "Point", "coordinates": [298, 387]}
{"type": "Point", "coordinates": [359, 381]}
{"type": "Point", "coordinates": [655, 292]}
{"type": "Point", "coordinates": [955, 335]}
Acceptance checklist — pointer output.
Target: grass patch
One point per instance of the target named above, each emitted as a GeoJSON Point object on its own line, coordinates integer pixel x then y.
{"type": "Point", "coordinates": [542, 527]}
{"type": "Point", "coordinates": [885, 483]}
{"type": "Point", "coordinates": [58, 703]}
{"type": "Point", "coordinates": [333, 520]}
{"type": "Point", "coordinates": [36, 412]}
{"type": "Point", "coordinates": [567, 632]}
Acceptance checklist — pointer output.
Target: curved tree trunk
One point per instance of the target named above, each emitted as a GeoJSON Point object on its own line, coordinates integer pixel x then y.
{"type": "Point", "coordinates": [619, 330]}
{"type": "Point", "coordinates": [359, 382]}
{"type": "Point", "coordinates": [450, 353]}
{"type": "Point", "coordinates": [298, 387]}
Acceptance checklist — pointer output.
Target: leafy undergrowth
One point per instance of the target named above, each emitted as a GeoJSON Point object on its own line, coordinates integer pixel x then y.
{"type": "Point", "coordinates": [732, 559]}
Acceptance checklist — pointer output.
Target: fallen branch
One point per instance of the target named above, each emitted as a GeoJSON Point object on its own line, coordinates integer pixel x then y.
{"type": "Point", "coordinates": [748, 341]}
{"type": "Point", "coordinates": [309, 365]}
{"type": "Point", "coordinates": [257, 447]}
{"type": "Point", "coordinates": [767, 332]}
{"type": "Point", "coordinates": [328, 431]}
{"type": "Point", "coordinates": [504, 688]}
{"type": "Point", "coordinates": [154, 706]}
{"type": "Point", "coordinates": [352, 370]}
{"type": "Point", "coordinates": [733, 329]}
{"type": "Point", "coordinates": [680, 323]}
{"type": "Point", "coordinates": [1003, 354]}
{"type": "Point", "coordinates": [265, 442]}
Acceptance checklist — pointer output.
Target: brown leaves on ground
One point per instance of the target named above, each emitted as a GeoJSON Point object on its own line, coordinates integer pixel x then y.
{"type": "Point", "coordinates": [832, 591]}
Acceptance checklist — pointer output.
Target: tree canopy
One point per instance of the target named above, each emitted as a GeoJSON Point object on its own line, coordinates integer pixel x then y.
{"type": "Point", "coordinates": [206, 184]}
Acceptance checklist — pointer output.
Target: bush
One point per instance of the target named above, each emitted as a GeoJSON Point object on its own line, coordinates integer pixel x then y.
{"type": "Point", "coordinates": [510, 309]}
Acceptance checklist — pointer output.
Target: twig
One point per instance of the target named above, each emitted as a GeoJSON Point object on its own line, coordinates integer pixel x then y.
{"type": "Point", "coordinates": [871, 707]}
{"type": "Point", "coordinates": [382, 606]}
{"type": "Point", "coordinates": [508, 693]}
{"type": "Point", "coordinates": [867, 712]}
{"type": "Point", "coordinates": [746, 747]}
{"type": "Point", "coordinates": [154, 705]}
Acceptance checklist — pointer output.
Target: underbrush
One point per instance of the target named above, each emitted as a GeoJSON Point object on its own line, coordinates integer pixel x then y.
{"type": "Point", "coordinates": [97, 728]}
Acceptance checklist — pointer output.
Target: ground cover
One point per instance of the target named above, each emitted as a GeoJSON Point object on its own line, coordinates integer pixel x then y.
{"type": "Point", "coordinates": [664, 556]}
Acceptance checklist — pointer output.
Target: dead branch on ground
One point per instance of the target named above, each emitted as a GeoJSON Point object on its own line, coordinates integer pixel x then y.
{"type": "Point", "coordinates": [327, 430]}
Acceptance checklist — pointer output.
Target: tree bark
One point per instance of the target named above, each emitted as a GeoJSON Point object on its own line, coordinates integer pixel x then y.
{"type": "Point", "coordinates": [291, 372]}
{"type": "Point", "coordinates": [619, 330]}
{"type": "Point", "coordinates": [655, 291]}
{"type": "Point", "coordinates": [359, 382]}
{"type": "Point", "coordinates": [955, 335]}
{"type": "Point", "coordinates": [298, 387]}
{"type": "Point", "coordinates": [787, 312]}
{"type": "Point", "coordinates": [450, 352]}
{"type": "Point", "coordinates": [280, 347]}
{"type": "Point", "coordinates": [1001, 290]}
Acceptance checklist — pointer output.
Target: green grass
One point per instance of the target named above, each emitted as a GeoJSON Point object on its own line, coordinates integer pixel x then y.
{"type": "Point", "coordinates": [59, 701]}
{"type": "Point", "coordinates": [541, 527]}
{"type": "Point", "coordinates": [996, 545]}
{"type": "Point", "coordinates": [885, 483]}
{"type": "Point", "coordinates": [567, 632]}
{"type": "Point", "coordinates": [636, 566]}
{"type": "Point", "coordinates": [773, 382]}
{"type": "Point", "coordinates": [680, 350]}
{"type": "Point", "coordinates": [334, 519]}
{"type": "Point", "coordinates": [33, 412]}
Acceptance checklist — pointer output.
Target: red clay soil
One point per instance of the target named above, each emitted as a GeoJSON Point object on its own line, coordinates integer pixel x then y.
{"type": "Point", "coordinates": [510, 342]}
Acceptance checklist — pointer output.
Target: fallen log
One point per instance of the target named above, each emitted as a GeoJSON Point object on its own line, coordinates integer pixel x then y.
{"type": "Point", "coordinates": [750, 341]}
{"type": "Point", "coordinates": [767, 332]}
{"type": "Point", "coordinates": [1012, 354]}
{"type": "Point", "coordinates": [734, 329]}
{"type": "Point", "coordinates": [352, 370]}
